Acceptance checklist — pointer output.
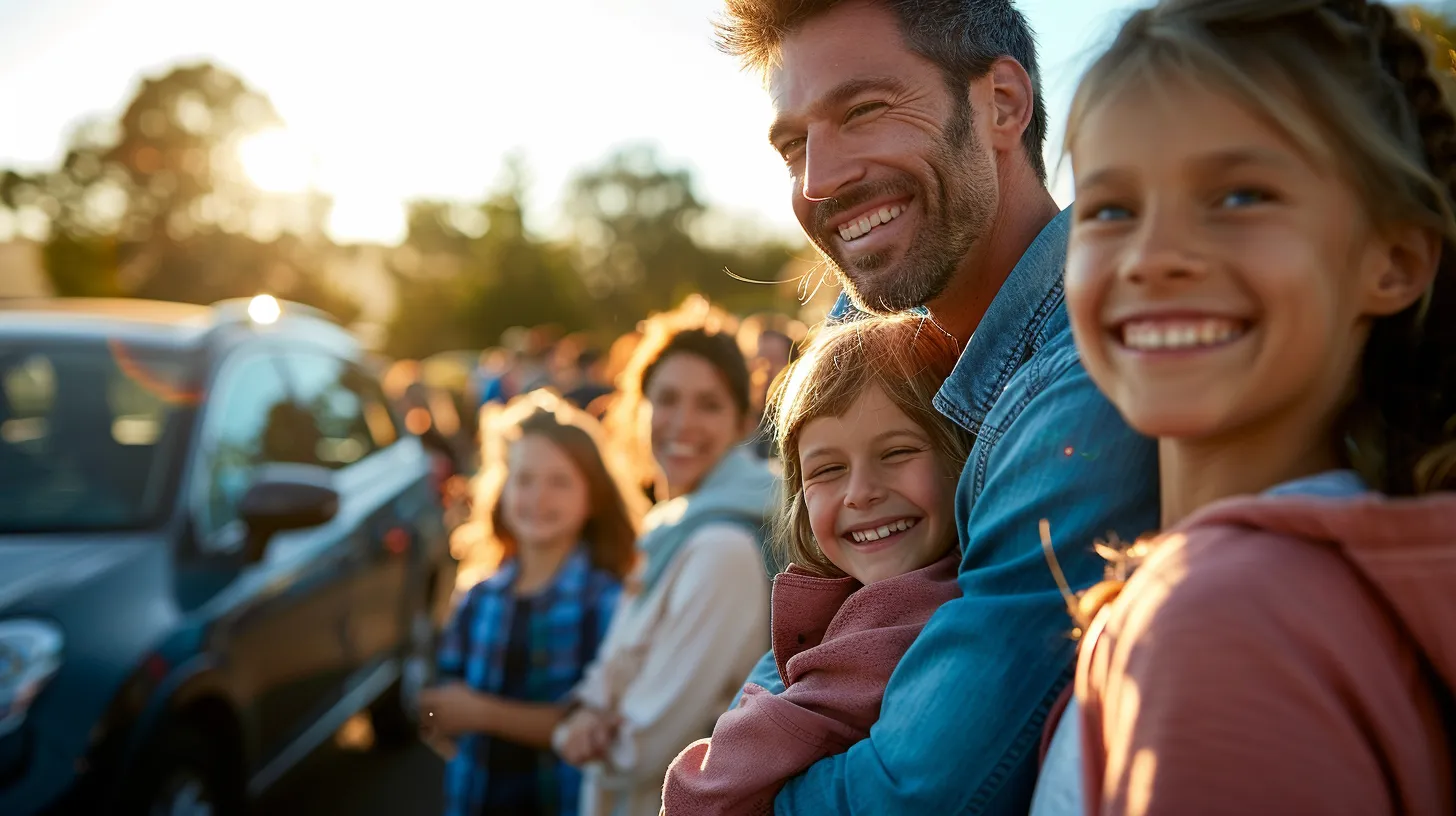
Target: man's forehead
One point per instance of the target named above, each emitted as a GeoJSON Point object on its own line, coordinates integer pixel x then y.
{"type": "Point", "coordinates": [851, 40]}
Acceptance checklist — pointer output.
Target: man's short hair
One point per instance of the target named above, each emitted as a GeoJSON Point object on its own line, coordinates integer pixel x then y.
{"type": "Point", "coordinates": [962, 37]}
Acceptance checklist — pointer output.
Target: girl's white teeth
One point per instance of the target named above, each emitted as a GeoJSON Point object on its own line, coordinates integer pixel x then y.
{"type": "Point", "coordinates": [856, 229]}
{"type": "Point", "coordinates": [1154, 335]}
{"type": "Point", "coordinates": [883, 530]}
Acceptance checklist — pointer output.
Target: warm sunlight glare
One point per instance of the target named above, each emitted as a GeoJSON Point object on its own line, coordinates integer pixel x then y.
{"type": "Point", "coordinates": [277, 162]}
{"type": "Point", "coordinates": [264, 309]}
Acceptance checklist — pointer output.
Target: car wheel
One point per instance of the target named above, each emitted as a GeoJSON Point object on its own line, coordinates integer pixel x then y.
{"type": "Point", "coordinates": [181, 775]}
{"type": "Point", "coordinates": [395, 715]}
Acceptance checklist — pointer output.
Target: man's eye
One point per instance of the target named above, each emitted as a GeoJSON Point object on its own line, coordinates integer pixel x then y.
{"type": "Point", "coordinates": [860, 110]}
{"type": "Point", "coordinates": [791, 148]}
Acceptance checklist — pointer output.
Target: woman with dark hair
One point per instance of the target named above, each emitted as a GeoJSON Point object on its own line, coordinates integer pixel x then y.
{"type": "Point", "coordinates": [695, 618]}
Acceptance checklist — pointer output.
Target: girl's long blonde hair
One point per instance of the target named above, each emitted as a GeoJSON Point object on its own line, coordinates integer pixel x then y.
{"type": "Point", "coordinates": [907, 357]}
{"type": "Point", "coordinates": [610, 533]}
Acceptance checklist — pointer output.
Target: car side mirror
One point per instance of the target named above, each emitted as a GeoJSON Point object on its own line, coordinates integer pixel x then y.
{"type": "Point", "coordinates": [285, 498]}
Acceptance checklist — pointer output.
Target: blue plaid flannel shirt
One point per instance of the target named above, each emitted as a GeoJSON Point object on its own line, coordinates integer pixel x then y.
{"type": "Point", "coordinates": [569, 619]}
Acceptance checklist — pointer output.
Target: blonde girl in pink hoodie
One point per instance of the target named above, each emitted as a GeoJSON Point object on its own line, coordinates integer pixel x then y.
{"type": "Point", "coordinates": [1261, 275]}
{"type": "Point", "coordinates": [870, 468]}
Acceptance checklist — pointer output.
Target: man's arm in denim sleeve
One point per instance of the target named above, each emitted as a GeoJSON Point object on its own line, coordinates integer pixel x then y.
{"type": "Point", "coordinates": [963, 712]}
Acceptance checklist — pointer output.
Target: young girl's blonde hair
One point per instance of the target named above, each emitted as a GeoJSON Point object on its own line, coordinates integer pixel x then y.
{"type": "Point", "coordinates": [907, 357]}
{"type": "Point", "coordinates": [611, 528]}
{"type": "Point", "coordinates": [1352, 88]}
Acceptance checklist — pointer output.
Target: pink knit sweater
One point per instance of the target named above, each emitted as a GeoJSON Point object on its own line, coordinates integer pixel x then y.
{"type": "Point", "coordinates": [836, 644]}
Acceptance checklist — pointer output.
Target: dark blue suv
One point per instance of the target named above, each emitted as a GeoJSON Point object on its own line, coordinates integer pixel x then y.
{"type": "Point", "coordinates": [216, 546]}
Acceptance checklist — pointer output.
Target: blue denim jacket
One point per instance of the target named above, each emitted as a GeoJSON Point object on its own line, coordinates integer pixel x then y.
{"type": "Point", "coordinates": [963, 713]}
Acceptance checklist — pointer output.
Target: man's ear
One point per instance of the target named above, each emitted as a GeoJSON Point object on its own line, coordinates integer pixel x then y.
{"type": "Point", "coordinates": [1013, 101]}
{"type": "Point", "coordinates": [1413, 254]}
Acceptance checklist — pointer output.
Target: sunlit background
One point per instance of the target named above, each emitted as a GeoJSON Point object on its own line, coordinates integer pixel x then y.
{"type": "Point", "coordinates": [424, 99]}
{"type": "Point", "coordinates": [389, 162]}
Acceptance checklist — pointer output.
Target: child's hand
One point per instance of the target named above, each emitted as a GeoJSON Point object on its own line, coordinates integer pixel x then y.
{"type": "Point", "coordinates": [589, 734]}
{"type": "Point", "coordinates": [450, 710]}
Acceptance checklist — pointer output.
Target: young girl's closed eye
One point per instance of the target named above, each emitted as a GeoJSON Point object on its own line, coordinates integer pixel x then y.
{"type": "Point", "coordinates": [870, 468]}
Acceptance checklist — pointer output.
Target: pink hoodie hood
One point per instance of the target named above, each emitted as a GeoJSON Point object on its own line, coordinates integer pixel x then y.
{"type": "Point", "coordinates": [1406, 548]}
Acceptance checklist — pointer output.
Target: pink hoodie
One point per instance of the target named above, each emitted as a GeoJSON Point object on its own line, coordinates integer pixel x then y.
{"type": "Point", "coordinates": [1279, 655]}
{"type": "Point", "coordinates": [836, 644]}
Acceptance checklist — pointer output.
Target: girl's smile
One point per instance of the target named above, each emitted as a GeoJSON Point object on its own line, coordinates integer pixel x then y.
{"type": "Point", "coordinates": [879, 500]}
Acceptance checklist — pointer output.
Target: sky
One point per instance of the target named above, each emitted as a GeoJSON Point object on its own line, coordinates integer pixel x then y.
{"type": "Point", "coordinates": [424, 99]}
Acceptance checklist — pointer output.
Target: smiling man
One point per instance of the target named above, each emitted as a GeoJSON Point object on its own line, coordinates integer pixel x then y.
{"type": "Point", "coordinates": [912, 131]}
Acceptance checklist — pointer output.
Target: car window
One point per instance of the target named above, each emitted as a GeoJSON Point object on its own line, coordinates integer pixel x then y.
{"type": "Point", "coordinates": [89, 432]}
{"type": "Point", "coordinates": [346, 407]}
{"type": "Point", "coordinates": [255, 423]}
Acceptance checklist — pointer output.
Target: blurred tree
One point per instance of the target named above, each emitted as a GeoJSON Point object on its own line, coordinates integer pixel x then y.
{"type": "Point", "coordinates": [468, 272]}
{"type": "Point", "coordinates": [634, 221]}
{"type": "Point", "coordinates": [157, 203]}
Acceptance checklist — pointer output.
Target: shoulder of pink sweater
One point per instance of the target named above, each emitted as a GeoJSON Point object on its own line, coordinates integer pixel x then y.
{"type": "Point", "coordinates": [905, 600]}
{"type": "Point", "coordinates": [1250, 590]}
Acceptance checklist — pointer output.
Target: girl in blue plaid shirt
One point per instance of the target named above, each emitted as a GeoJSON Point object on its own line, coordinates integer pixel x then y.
{"type": "Point", "coordinates": [560, 532]}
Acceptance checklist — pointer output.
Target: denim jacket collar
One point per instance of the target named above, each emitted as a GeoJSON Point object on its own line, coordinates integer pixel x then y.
{"type": "Point", "coordinates": [1018, 321]}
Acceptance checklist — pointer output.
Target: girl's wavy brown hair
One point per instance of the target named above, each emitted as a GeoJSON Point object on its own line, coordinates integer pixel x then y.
{"type": "Point", "coordinates": [610, 533]}
{"type": "Point", "coordinates": [1351, 86]}
{"type": "Point", "coordinates": [907, 357]}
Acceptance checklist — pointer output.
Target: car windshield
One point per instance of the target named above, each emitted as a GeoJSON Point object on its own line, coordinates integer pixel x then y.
{"type": "Point", "coordinates": [90, 432]}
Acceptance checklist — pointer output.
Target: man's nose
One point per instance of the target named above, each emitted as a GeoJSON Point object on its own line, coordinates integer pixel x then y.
{"type": "Point", "coordinates": [828, 166]}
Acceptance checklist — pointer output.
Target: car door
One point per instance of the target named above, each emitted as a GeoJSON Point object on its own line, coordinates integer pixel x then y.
{"type": "Point", "coordinates": [360, 443]}
{"type": "Point", "coordinates": [281, 621]}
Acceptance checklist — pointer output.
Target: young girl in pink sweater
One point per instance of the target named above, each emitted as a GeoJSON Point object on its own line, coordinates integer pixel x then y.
{"type": "Point", "coordinates": [870, 468]}
{"type": "Point", "coordinates": [1261, 275]}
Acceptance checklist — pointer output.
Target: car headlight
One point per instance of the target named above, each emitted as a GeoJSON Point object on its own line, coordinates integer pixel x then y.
{"type": "Point", "coordinates": [30, 654]}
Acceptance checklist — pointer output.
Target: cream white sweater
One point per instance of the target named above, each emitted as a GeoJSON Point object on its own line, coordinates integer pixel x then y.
{"type": "Point", "coordinates": [673, 662]}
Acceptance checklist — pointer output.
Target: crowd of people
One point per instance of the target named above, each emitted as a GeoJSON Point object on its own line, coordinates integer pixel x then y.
{"type": "Point", "coordinates": [1141, 506]}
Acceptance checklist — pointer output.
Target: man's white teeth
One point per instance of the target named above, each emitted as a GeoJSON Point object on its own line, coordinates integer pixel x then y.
{"type": "Point", "coordinates": [856, 229]}
{"type": "Point", "coordinates": [679, 449]}
{"type": "Point", "coordinates": [883, 530]}
{"type": "Point", "coordinates": [1154, 335]}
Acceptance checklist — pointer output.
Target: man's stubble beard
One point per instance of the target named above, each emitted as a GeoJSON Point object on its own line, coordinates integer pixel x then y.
{"type": "Point", "coordinates": [965, 206]}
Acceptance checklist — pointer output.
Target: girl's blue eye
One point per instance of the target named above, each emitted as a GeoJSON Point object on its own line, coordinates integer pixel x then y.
{"type": "Point", "coordinates": [1243, 198]}
{"type": "Point", "coordinates": [1111, 212]}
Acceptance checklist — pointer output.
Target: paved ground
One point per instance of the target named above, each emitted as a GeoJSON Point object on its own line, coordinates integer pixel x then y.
{"type": "Point", "coordinates": [347, 777]}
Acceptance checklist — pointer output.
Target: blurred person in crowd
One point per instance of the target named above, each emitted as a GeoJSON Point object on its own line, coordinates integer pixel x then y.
{"type": "Point", "coordinates": [579, 368]}
{"type": "Point", "coordinates": [554, 533]}
{"type": "Point", "coordinates": [869, 529]}
{"type": "Point", "coordinates": [1284, 323]}
{"type": "Point", "coordinates": [619, 355]}
{"type": "Point", "coordinates": [912, 133]}
{"type": "Point", "coordinates": [770, 341]}
{"type": "Point", "coordinates": [488, 381]}
{"type": "Point", "coordinates": [534, 367]}
{"type": "Point", "coordinates": [419, 407]}
{"type": "Point", "coordinates": [696, 616]}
